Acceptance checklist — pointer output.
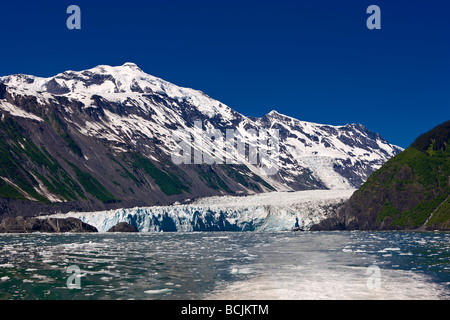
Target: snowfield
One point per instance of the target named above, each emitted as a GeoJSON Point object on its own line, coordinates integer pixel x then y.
{"type": "Point", "coordinates": [275, 211]}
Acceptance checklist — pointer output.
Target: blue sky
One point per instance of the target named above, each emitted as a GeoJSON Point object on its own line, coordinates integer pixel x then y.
{"type": "Point", "coordinates": [312, 60]}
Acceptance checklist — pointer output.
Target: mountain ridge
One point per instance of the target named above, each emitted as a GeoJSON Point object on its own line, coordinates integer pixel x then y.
{"type": "Point", "coordinates": [102, 138]}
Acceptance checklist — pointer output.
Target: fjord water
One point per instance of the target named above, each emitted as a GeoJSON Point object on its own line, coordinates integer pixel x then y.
{"type": "Point", "coordinates": [227, 265]}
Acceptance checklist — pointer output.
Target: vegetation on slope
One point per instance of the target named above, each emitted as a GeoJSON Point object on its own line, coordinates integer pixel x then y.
{"type": "Point", "coordinates": [409, 187]}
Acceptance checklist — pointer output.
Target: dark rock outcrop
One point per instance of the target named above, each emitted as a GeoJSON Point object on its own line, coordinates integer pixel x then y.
{"type": "Point", "coordinates": [30, 225]}
{"type": "Point", "coordinates": [123, 227]}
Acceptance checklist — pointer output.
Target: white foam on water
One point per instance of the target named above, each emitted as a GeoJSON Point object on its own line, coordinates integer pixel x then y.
{"type": "Point", "coordinates": [345, 283]}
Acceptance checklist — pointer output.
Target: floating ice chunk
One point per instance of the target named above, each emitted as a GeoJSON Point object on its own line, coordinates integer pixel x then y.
{"type": "Point", "coordinates": [242, 271]}
{"type": "Point", "coordinates": [158, 291]}
{"type": "Point", "coordinates": [7, 265]}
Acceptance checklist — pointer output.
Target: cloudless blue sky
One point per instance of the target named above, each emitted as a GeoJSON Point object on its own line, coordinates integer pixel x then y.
{"type": "Point", "coordinates": [313, 60]}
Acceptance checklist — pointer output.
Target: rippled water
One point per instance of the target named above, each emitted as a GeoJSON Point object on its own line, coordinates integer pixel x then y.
{"type": "Point", "coordinates": [226, 265]}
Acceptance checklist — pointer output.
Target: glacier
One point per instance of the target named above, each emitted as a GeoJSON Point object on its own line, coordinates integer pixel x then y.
{"type": "Point", "coordinates": [273, 211]}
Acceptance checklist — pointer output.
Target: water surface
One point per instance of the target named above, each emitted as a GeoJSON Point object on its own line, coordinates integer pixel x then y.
{"type": "Point", "coordinates": [226, 265]}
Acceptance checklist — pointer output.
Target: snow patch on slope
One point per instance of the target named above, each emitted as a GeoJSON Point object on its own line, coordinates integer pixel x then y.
{"type": "Point", "coordinates": [6, 106]}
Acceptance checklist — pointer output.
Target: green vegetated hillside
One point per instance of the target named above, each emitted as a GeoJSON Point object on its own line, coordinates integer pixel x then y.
{"type": "Point", "coordinates": [410, 191]}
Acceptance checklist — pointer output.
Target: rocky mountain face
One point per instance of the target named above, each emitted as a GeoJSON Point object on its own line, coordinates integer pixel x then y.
{"type": "Point", "coordinates": [104, 138]}
{"type": "Point", "coordinates": [31, 225]}
{"type": "Point", "coordinates": [410, 191]}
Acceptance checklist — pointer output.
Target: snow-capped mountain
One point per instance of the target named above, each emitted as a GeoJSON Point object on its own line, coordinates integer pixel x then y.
{"type": "Point", "coordinates": [107, 135]}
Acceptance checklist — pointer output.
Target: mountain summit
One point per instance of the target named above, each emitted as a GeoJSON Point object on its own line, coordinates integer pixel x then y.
{"type": "Point", "coordinates": [103, 138]}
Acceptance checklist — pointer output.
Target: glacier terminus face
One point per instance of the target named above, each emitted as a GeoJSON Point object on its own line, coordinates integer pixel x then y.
{"type": "Point", "coordinates": [275, 211]}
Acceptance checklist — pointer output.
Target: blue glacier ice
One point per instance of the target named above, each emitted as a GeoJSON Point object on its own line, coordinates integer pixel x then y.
{"type": "Point", "coordinates": [275, 211]}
